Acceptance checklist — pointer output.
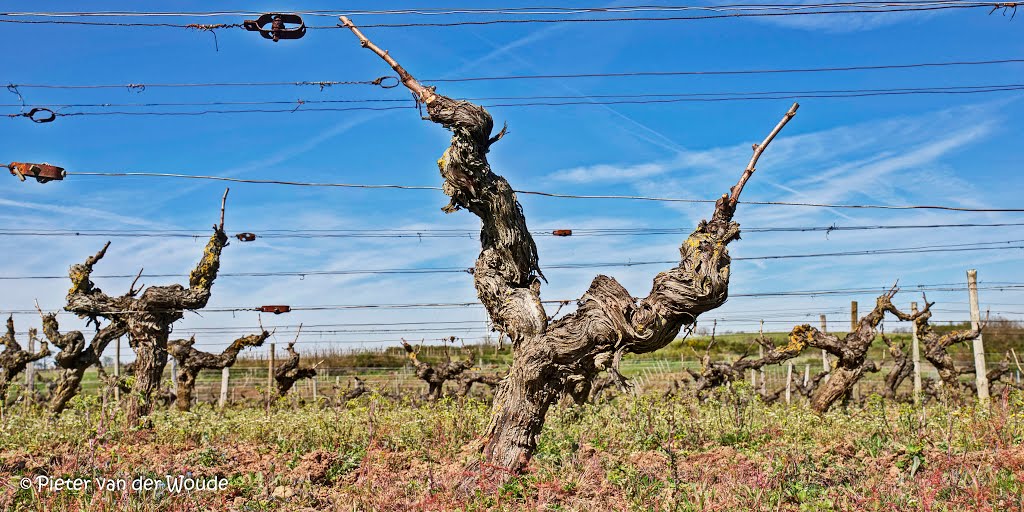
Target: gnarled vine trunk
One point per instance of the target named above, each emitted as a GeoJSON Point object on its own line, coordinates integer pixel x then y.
{"type": "Point", "coordinates": [149, 315]}
{"type": "Point", "coordinates": [435, 375]}
{"type": "Point", "coordinates": [14, 359]}
{"type": "Point", "coordinates": [289, 372]}
{"type": "Point", "coordinates": [935, 349]}
{"type": "Point", "coordinates": [466, 382]}
{"type": "Point", "coordinates": [715, 374]}
{"type": "Point", "coordinates": [192, 361]}
{"type": "Point", "coordinates": [902, 367]}
{"type": "Point", "coordinates": [551, 358]}
{"type": "Point", "coordinates": [851, 351]}
{"type": "Point", "coordinates": [75, 357]}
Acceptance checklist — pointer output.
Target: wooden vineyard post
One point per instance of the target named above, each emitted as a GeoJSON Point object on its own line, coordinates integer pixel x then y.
{"type": "Point", "coordinates": [854, 319]}
{"type": "Point", "coordinates": [760, 354]}
{"type": "Point", "coordinates": [915, 355]}
{"type": "Point", "coordinates": [270, 376]}
{"type": "Point", "coordinates": [824, 355]}
{"type": "Point", "coordinates": [224, 373]}
{"type": "Point", "coordinates": [174, 372]}
{"type": "Point", "coordinates": [313, 383]}
{"type": "Point", "coordinates": [980, 370]}
{"type": "Point", "coordinates": [807, 374]}
{"type": "Point", "coordinates": [117, 370]}
{"type": "Point", "coordinates": [30, 371]}
{"type": "Point", "coordinates": [789, 383]}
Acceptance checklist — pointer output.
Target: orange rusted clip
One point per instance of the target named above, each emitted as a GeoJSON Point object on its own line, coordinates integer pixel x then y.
{"type": "Point", "coordinates": [279, 28]}
{"type": "Point", "coordinates": [562, 232]}
{"type": "Point", "coordinates": [246, 237]}
{"type": "Point", "coordinates": [41, 172]}
{"type": "Point", "coordinates": [277, 310]}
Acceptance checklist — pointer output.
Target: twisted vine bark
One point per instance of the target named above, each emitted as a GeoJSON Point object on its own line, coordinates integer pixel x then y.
{"type": "Point", "coordinates": [1000, 373]}
{"type": "Point", "coordinates": [357, 391]}
{"type": "Point", "coordinates": [436, 375]}
{"type": "Point", "coordinates": [851, 351]}
{"type": "Point", "coordinates": [902, 367]}
{"type": "Point", "coordinates": [14, 359]}
{"type": "Point", "coordinates": [936, 348]}
{"type": "Point", "coordinates": [75, 357]}
{"type": "Point", "coordinates": [192, 361]}
{"type": "Point", "coordinates": [806, 389]}
{"type": "Point", "coordinates": [466, 382]}
{"type": "Point", "coordinates": [147, 313]}
{"type": "Point", "coordinates": [552, 358]}
{"type": "Point", "coordinates": [716, 374]}
{"type": "Point", "coordinates": [289, 372]}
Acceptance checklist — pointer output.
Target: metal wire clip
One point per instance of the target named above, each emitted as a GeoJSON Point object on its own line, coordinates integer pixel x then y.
{"type": "Point", "coordinates": [278, 29]}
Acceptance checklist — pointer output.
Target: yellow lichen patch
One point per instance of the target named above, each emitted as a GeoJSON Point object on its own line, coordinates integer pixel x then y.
{"type": "Point", "coordinates": [443, 161]}
{"type": "Point", "coordinates": [78, 280]}
{"type": "Point", "coordinates": [801, 336]}
{"type": "Point", "coordinates": [796, 345]}
{"type": "Point", "coordinates": [205, 272]}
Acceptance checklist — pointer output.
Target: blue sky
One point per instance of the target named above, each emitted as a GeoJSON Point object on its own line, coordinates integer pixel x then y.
{"type": "Point", "coordinates": [942, 149]}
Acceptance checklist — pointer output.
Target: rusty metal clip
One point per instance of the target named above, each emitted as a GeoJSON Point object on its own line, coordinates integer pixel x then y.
{"type": "Point", "coordinates": [562, 232]}
{"type": "Point", "coordinates": [246, 237]}
{"type": "Point", "coordinates": [277, 310]}
{"type": "Point", "coordinates": [278, 26]}
{"type": "Point", "coordinates": [41, 172]}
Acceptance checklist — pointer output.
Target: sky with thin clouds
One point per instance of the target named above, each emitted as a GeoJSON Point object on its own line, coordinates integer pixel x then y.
{"type": "Point", "coordinates": [956, 150]}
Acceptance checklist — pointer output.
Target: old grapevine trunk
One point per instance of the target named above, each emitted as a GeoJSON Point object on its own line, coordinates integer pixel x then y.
{"type": "Point", "coordinates": [192, 361]}
{"type": "Point", "coordinates": [75, 357]}
{"type": "Point", "coordinates": [289, 372]}
{"type": "Point", "coordinates": [148, 314]}
{"type": "Point", "coordinates": [850, 351]}
{"type": "Point", "coordinates": [902, 367]}
{"type": "Point", "coordinates": [435, 375]}
{"type": "Point", "coordinates": [563, 356]}
{"type": "Point", "coordinates": [14, 359]}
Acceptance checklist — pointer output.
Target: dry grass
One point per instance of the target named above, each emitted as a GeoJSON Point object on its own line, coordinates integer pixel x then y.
{"type": "Point", "coordinates": [633, 453]}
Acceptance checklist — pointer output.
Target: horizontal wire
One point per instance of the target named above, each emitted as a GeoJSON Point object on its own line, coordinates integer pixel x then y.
{"type": "Point", "coordinates": [996, 245]}
{"type": "Point", "coordinates": [299, 105]}
{"type": "Point", "coordinates": [873, 67]}
{"type": "Point", "coordinates": [825, 9]}
{"type": "Point", "coordinates": [450, 233]}
{"type": "Point", "coordinates": [543, 194]}
{"type": "Point", "coordinates": [652, 99]}
{"type": "Point", "coordinates": [538, 10]}
{"type": "Point", "coordinates": [1015, 287]}
{"type": "Point", "coordinates": [975, 5]}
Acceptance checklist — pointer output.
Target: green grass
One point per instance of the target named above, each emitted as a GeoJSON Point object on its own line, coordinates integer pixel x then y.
{"type": "Point", "coordinates": [642, 452]}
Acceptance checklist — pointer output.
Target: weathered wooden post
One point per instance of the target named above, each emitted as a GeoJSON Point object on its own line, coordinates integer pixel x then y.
{"type": "Point", "coordinates": [915, 355]}
{"type": "Point", "coordinates": [789, 383]}
{"type": "Point", "coordinates": [270, 375]}
{"type": "Point", "coordinates": [760, 354]}
{"type": "Point", "coordinates": [825, 365]}
{"type": "Point", "coordinates": [174, 371]}
{"type": "Point", "coordinates": [223, 387]}
{"type": "Point", "coordinates": [117, 369]}
{"type": "Point", "coordinates": [854, 319]}
{"type": "Point", "coordinates": [980, 370]}
{"type": "Point", "coordinates": [30, 370]}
